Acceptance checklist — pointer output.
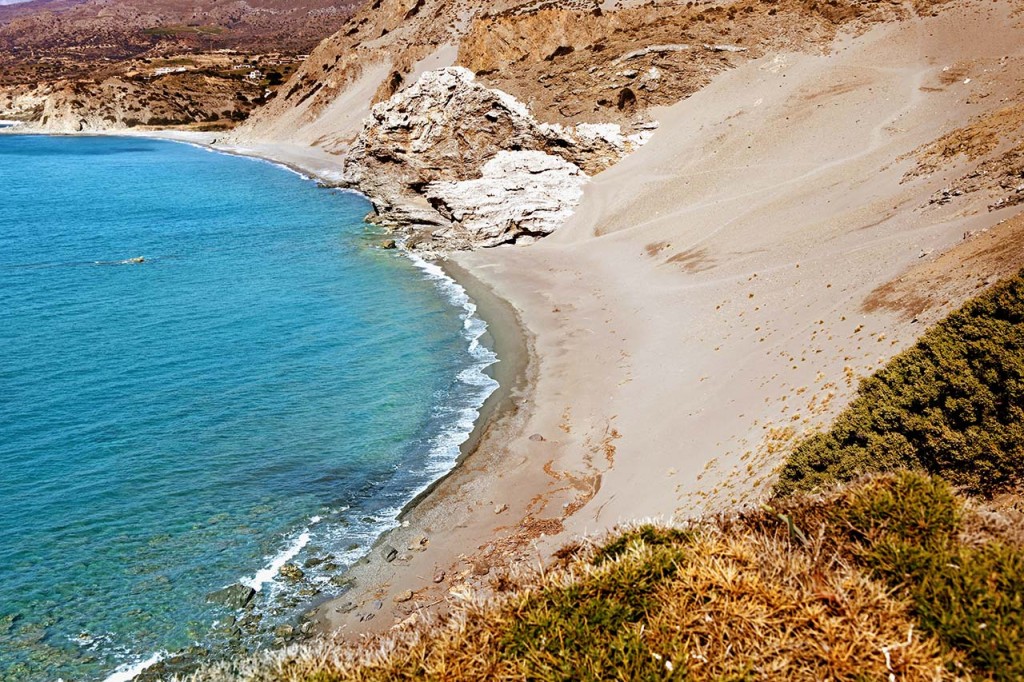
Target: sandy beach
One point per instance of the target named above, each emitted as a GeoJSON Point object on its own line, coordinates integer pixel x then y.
{"type": "Point", "coordinates": [715, 295]}
{"type": "Point", "coordinates": [707, 304]}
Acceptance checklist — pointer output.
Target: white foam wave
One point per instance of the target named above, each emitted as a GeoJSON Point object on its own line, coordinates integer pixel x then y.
{"type": "Point", "coordinates": [445, 447]}
{"type": "Point", "coordinates": [128, 671]}
{"type": "Point", "coordinates": [269, 572]}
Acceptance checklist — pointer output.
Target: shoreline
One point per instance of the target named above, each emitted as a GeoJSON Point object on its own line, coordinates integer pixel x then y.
{"type": "Point", "coordinates": [509, 341]}
{"type": "Point", "coordinates": [514, 371]}
{"type": "Point", "coordinates": [375, 581]}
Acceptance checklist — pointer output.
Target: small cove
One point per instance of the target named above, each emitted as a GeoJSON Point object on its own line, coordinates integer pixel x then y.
{"type": "Point", "coordinates": [263, 386]}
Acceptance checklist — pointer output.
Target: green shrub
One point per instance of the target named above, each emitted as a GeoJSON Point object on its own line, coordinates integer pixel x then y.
{"type": "Point", "coordinates": [647, 534]}
{"type": "Point", "coordinates": [906, 531]}
{"type": "Point", "coordinates": [952, 405]}
{"type": "Point", "coordinates": [592, 628]}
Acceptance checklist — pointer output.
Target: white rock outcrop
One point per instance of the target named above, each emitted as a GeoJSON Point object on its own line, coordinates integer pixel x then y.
{"type": "Point", "coordinates": [519, 197]}
{"type": "Point", "coordinates": [455, 164]}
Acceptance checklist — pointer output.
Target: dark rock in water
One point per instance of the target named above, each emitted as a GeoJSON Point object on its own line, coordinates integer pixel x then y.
{"type": "Point", "coordinates": [388, 244]}
{"type": "Point", "coordinates": [330, 567]}
{"type": "Point", "coordinates": [284, 631]}
{"type": "Point", "coordinates": [314, 561]}
{"type": "Point", "coordinates": [180, 665]}
{"type": "Point", "coordinates": [291, 572]}
{"type": "Point", "coordinates": [389, 553]}
{"type": "Point", "coordinates": [233, 596]}
{"type": "Point", "coordinates": [251, 622]}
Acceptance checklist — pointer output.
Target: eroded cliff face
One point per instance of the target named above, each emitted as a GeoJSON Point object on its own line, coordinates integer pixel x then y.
{"type": "Point", "coordinates": [456, 164]}
{"type": "Point", "coordinates": [124, 103]}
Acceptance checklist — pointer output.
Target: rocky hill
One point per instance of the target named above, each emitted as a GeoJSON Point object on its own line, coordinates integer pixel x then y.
{"type": "Point", "coordinates": [122, 28]}
{"type": "Point", "coordinates": [72, 65]}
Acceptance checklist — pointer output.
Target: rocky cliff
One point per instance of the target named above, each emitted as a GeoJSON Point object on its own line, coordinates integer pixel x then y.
{"type": "Point", "coordinates": [74, 65]}
{"type": "Point", "coordinates": [472, 123]}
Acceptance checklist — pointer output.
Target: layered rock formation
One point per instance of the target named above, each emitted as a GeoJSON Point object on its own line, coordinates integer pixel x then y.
{"type": "Point", "coordinates": [121, 103]}
{"type": "Point", "coordinates": [456, 164]}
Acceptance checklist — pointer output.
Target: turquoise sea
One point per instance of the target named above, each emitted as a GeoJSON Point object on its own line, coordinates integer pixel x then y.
{"type": "Point", "coordinates": [265, 386]}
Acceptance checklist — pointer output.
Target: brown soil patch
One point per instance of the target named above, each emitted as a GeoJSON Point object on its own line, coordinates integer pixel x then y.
{"type": "Point", "coordinates": [693, 260]}
{"type": "Point", "coordinates": [981, 260]}
{"type": "Point", "coordinates": [973, 141]}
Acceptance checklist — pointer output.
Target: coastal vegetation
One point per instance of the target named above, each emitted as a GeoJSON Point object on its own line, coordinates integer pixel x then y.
{"type": "Point", "coordinates": [891, 549]}
{"type": "Point", "coordinates": [896, 574]}
{"type": "Point", "coordinates": [952, 405]}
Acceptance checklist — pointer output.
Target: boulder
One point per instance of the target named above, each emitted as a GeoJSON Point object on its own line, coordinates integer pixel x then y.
{"type": "Point", "coordinates": [428, 153]}
{"type": "Point", "coordinates": [522, 194]}
{"type": "Point", "coordinates": [291, 572]}
{"type": "Point", "coordinates": [235, 596]}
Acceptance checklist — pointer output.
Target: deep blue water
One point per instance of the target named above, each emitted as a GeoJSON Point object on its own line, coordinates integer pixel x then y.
{"type": "Point", "coordinates": [266, 382]}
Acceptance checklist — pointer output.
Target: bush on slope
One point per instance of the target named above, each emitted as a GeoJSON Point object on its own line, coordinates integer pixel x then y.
{"type": "Point", "coordinates": [952, 405]}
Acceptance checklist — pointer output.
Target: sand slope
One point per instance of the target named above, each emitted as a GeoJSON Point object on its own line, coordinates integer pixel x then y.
{"type": "Point", "coordinates": [708, 301]}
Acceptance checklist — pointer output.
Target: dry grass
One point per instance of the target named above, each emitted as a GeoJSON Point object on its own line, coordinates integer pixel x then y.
{"type": "Point", "coordinates": [751, 606]}
{"type": "Point", "coordinates": [800, 592]}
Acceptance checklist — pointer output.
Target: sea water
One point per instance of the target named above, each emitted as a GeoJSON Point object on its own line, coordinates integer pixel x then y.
{"type": "Point", "coordinates": [207, 370]}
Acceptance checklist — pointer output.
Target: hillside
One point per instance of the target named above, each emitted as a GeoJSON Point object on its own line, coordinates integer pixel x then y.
{"type": "Point", "coordinates": [693, 228]}
{"type": "Point", "coordinates": [70, 65]}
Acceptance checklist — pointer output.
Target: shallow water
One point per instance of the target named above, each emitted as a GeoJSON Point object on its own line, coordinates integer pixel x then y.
{"type": "Point", "coordinates": [264, 386]}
